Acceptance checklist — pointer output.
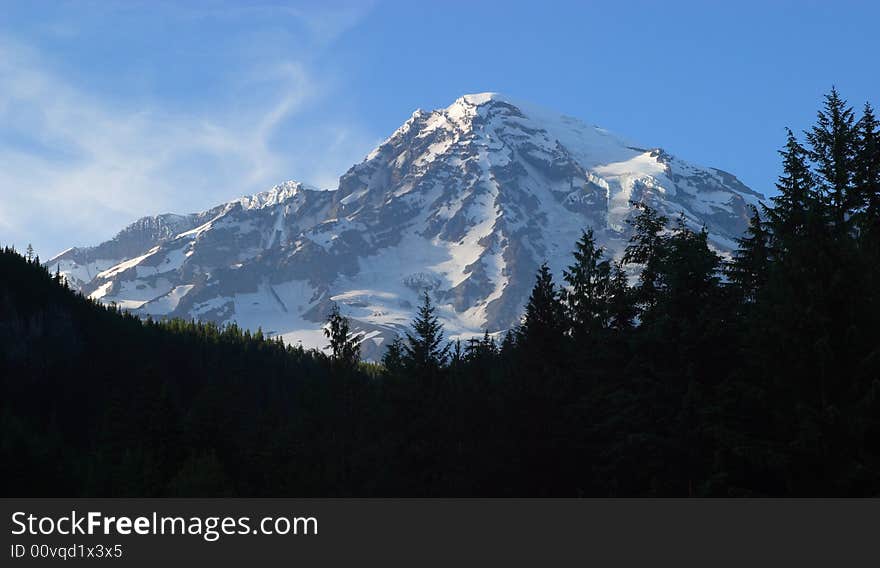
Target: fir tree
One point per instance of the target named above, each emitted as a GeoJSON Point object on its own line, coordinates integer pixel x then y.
{"type": "Point", "coordinates": [456, 355]}
{"type": "Point", "coordinates": [866, 175]}
{"type": "Point", "coordinates": [425, 350]}
{"type": "Point", "coordinates": [544, 323]}
{"type": "Point", "coordinates": [748, 271]}
{"type": "Point", "coordinates": [689, 272]}
{"type": "Point", "coordinates": [621, 309]}
{"type": "Point", "coordinates": [487, 344]}
{"type": "Point", "coordinates": [472, 348]}
{"type": "Point", "coordinates": [392, 360]}
{"type": "Point", "coordinates": [797, 197]}
{"type": "Point", "coordinates": [832, 142]}
{"type": "Point", "coordinates": [344, 346]}
{"type": "Point", "coordinates": [647, 248]}
{"type": "Point", "coordinates": [589, 281]}
{"type": "Point", "coordinates": [29, 253]}
{"type": "Point", "coordinates": [480, 348]}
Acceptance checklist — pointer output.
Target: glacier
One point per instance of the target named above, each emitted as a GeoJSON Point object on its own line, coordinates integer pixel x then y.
{"type": "Point", "coordinates": [464, 202]}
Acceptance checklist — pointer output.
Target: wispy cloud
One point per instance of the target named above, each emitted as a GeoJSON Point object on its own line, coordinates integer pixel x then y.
{"type": "Point", "coordinates": [324, 25]}
{"type": "Point", "coordinates": [75, 165]}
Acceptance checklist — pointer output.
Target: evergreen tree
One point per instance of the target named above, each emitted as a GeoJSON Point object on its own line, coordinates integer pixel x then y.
{"type": "Point", "coordinates": [589, 281]}
{"type": "Point", "coordinates": [866, 175]}
{"type": "Point", "coordinates": [344, 346]}
{"type": "Point", "coordinates": [480, 351]}
{"type": "Point", "coordinates": [832, 142]}
{"type": "Point", "coordinates": [456, 355]}
{"type": "Point", "coordinates": [392, 360]}
{"type": "Point", "coordinates": [689, 271]}
{"type": "Point", "coordinates": [29, 253]}
{"type": "Point", "coordinates": [796, 198]}
{"type": "Point", "coordinates": [544, 324]}
{"type": "Point", "coordinates": [488, 343]}
{"type": "Point", "coordinates": [621, 309]}
{"type": "Point", "coordinates": [472, 348]}
{"type": "Point", "coordinates": [425, 350]}
{"type": "Point", "coordinates": [508, 342]}
{"type": "Point", "coordinates": [647, 247]}
{"type": "Point", "coordinates": [749, 269]}
{"type": "Point", "coordinates": [482, 347]}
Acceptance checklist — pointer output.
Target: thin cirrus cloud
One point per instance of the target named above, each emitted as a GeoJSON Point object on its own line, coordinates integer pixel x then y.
{"type": "Point", "coordinates": [76, 166]}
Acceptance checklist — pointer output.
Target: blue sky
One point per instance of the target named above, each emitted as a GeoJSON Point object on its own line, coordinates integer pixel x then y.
{"type": "Point", "coordinates": [111, 110]}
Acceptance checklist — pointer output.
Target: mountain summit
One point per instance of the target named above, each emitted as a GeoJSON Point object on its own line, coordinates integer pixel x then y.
{"type": "Point", "coordinates": [465, 202]}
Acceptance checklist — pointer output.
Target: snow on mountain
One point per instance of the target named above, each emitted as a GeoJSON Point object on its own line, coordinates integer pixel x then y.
{"type": "Point", "coordinates": [464, 202]}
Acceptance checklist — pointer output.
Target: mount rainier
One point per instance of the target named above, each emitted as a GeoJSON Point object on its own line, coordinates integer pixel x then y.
{"type": "Point", "coordinates": [465, 202]}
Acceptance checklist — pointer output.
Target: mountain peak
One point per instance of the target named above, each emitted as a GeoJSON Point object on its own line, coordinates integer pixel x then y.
{"type": "Point", "coordinates": [281, 192]}
{"type": "Point", "coordinates": [465, 201]}
{"type": "Point", "coordinates": [479, 99]}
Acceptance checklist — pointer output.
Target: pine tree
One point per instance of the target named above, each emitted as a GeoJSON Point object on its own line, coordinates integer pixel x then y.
{"type": "Point", "coordinates": [544, 324]}
{"type": "Point", "coordinates": [479, 348]}
{"type": "Point", "coordinates": [456, 356]}
{"type": "Point", "coordinates": [589, 280]}
{"type": "Point", "coordinates": [392, 360]}
{"type": "Point", "coordinates": [344, 346]}
{"type": "Point", "coordinates": [621, 309]}
{"type": "Point", "coordinates": [832, 142]}
{"type": "Point", "coordinates": [647, 248]}
{"type": "Point", "coordinates": [866, 175]}
{"type": "Point", "coordinates": [797, 195]}
{"type": "Point", "coordinates": [29, 253]}
{"type": "Point", "coordinates": [488, 344]}
{"type": "Point", "coordinates": [748, 271]}
{"type": "Point", "coordinates": [424, 350]}
{"type": "Point", "coordinates": [472, 349]}
{"type": "Point", "coordinates": [509, 341]}
{"type": "Point", "coordinates": [689, 272]}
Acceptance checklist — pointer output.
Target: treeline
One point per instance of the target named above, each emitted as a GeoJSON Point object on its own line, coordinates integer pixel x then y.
{"type": "Point", "coordinates": [674, 371]}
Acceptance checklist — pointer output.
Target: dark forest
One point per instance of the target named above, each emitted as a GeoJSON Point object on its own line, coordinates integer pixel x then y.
{"type": "Point", "coordinates": [673, 372]}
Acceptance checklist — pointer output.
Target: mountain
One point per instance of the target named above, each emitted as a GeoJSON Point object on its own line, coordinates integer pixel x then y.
{"type": "Point", "coordinates": [465, 202]}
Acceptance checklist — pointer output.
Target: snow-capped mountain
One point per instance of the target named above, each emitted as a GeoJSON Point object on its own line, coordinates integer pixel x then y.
{"type": "Point", "coordinates": [465, 202]}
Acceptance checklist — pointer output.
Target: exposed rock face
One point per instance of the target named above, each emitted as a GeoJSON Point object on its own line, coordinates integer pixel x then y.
{"type": "Point", "coordinates": [464, 202]}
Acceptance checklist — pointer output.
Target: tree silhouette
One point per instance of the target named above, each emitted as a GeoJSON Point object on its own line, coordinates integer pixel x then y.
{"type": "Point", "coordinates": [344, 346]}
{"type": "Point", "coordinates": [425, 350]}
{"type": "Point", "coordinates": [832, 142]}
{"type": "Point", "coordinates": [589, 282]}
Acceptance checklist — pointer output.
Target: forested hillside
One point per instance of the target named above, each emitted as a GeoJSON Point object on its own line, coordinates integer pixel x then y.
{"type": "Point", "coordinates": [674, 372]}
